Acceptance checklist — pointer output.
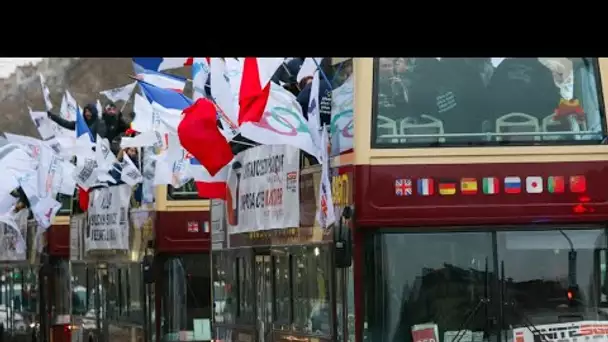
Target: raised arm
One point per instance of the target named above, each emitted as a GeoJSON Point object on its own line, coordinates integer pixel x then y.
{"type": "Point", "coordinates": [71, 125]}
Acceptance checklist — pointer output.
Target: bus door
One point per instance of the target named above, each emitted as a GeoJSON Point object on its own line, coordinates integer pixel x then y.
{"type": "Point", "coordinates": [264, 296]}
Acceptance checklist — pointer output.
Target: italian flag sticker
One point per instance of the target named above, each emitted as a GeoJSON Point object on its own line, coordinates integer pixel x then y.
{"type": "Point", "coordinates": [490, 185]}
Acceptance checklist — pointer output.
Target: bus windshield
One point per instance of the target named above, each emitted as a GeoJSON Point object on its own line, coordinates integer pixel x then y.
{"type": "Point", "coordinates": [484, 284]}
{"type": "Point", "coordinates": [486, 101]}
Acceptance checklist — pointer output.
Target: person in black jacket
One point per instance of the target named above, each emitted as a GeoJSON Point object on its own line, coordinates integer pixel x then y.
{"type": "Point", "coordinates": [114, 121]}
{"type": "Point", "coordinates": [91, 117]}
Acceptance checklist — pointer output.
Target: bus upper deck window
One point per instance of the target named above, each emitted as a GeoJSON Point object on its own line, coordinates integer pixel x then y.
{"type": "Point", "coordinates": [485, 101]}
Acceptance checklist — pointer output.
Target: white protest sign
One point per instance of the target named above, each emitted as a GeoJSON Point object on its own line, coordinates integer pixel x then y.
{"type": "Point", "coordinates": [44, 210]}
{"type": "Point", "coordinates": [46, 127]}
{"type": "Point", "coordinates": [109, 218]}
{"type": "Point", "coordinates": [85, 174]}
{"type": "Point", "coordinates": [265, 194]}
{"type": "Point", "coordinates": [130, 174]}
{"type": "Point", "coordinates": [13, 228]}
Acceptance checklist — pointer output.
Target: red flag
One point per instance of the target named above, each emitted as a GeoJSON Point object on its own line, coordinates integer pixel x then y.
{"type": "Point", "coordinates": [198, 133]}
{"type": "Point", "coordinates": [83, 199]}
{"type": "Point", "coordinates": [252, 97]}
{"type": "Point", "coordinates": [212, 190]}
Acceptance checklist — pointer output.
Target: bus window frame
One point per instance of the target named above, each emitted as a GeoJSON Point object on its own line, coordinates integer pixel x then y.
{"type": "Point", "coordinates": [173, 194]}
{"type": "Point", "coordinates": [374, 144]}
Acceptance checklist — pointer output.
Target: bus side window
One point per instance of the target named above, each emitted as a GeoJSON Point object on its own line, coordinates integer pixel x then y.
{"type": "Point", "coordinates": [603, 276]}
{"type": "Point", "coordinates": [282, 290]}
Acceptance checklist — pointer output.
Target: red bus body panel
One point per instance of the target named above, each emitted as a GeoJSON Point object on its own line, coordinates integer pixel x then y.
{"type": "Point", "coordinates": [58, 240]}
{"type": "Point", "coordinates": [180, 232]}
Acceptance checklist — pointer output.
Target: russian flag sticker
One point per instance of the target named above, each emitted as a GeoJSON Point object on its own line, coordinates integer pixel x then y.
{"type": "Point", "coordinates": [512, 185]}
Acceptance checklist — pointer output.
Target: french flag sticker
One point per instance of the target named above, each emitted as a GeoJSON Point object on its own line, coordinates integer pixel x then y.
{"type": "Point", "coordinates": [512, 185]}
{"type": "Point", "coordinates": [425, 186]}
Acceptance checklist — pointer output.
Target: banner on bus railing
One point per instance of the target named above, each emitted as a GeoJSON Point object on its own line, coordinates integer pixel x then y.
{"type": "Point", "coordinates": [263, 189]}
{"type": "Point", "coordinates": [78, 222]}
{"type": "Point", "coordinates": [108, 227]}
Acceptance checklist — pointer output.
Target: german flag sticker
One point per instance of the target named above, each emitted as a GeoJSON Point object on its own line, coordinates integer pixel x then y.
{"type": "Point", "coordinates": [447, 187]}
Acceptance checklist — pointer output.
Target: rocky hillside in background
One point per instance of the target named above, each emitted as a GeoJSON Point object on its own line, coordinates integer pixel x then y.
{"type": "Point", "coordinates": [83, 77]}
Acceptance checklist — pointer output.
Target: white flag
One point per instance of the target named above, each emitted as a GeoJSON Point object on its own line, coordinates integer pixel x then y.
{"type": "Point", "coordinates": [54, 175]}
{"type": "Point", "coordinates": [121, 93]}
{"type": "Point", "coordinates": [282, 123]}
{"type": "Point", "coordinates": [130, 174]}
{"type": "Point", "coordinates": [200, 74]}
{"type": "Point", "coordinates": [314, 113]}
{"type": "Point", "coordinates": [172, 164]}
{"type": "Point", "coordinates": [308, 67]}
{"type": "Point", "coordinates": [46, 93]}
{"type": "Point", "coordinates": [105, 156]}
{"type": "Point", "coordinates": [68, 107]}
{"type": "Point", "coordinates": [325, 205]}
{"type": "Point", "coordinates": [143, 114]}
{"type": "Point", "coordinates": [46, 127]}
{"type": "Point", "coordinates": [66, 137]}
{"type": "Point", "coordinates": [154, 117]}
{"type": "Point", "coordinates": [145, 139]}
{"type": "Point", "coordinates": [223, 98]}
{"type": "Point", "coordinates": [44, 210]}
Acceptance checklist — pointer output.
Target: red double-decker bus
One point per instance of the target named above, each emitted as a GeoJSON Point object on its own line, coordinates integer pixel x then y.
{"type": "Point", "coordinates": [480, 207]}
{"type": "Point", "coordinates": [471, 191]}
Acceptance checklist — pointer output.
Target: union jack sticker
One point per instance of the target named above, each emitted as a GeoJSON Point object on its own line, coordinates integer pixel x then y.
{"type": "Point", "coordinates": [403, 187]}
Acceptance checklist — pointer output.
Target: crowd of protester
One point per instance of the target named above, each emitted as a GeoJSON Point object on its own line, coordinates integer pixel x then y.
{"type": "Point", "coordinates": [113, 125]}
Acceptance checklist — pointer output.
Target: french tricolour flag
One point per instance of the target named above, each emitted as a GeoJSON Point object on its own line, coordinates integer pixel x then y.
{"type": "Point", "coordinates": [161, 80]}
{"type": "Point", "coordinates": [165, 97]}
{"type": "Point", "coordinates": [425, 187]}
{"type": "Point", "coordinates": [162, 63]}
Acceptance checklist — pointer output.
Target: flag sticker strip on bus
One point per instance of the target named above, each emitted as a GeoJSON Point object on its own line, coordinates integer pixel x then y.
{"type": "Point", "coordinates": [490, 185]}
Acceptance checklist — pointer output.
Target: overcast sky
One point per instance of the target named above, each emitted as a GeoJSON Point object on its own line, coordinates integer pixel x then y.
{"type": "Point", "coordinates": [8, 65]}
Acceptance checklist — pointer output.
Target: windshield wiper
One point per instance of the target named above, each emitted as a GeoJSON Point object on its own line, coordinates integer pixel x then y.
{"type": "Point", "coordinates": [511, 304]}
{"type": "Point", "coordinates": [483, 301]}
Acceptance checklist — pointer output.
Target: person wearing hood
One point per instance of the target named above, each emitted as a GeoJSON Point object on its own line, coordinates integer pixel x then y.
{"type": "Point", "coordinates": [91, 117]}
{"type": "Point", "coordinates": [114, 121]}
{"type": "Point", "coordinates": [286, 75]}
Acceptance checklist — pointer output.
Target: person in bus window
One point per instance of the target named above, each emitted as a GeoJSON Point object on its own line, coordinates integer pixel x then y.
{"type": "Point", "coordinates": [451, 90]}
{"type": "Point", "coordinates": [391, 92]}
{"type": "Point", "coordinates": [522, 85]}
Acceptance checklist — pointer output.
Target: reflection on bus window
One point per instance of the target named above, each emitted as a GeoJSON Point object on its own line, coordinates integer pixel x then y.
{"type": "Point", "coordinates": [560, 285]}
{"type": "Point", "coordinates": [464, 101]}
{"type": "Point", "coordinates": [224, 286]}
{"type": "Point", "coordinates": [282, 288]}
{"type": "Point", "coordinates": [342, 101]}
{"type": "Point", "coordinates": [246, 296]}
{"type": "Point", "coordinates": [186, 294]}
{"type": "Point", "coordinates": [311, 304]}
{"type": "Point", "coordinates": [186, 192]}
{"type": "Point", "coordinates": [428, 279]}
{"type": "Point", "coordinates": [345, 304]}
